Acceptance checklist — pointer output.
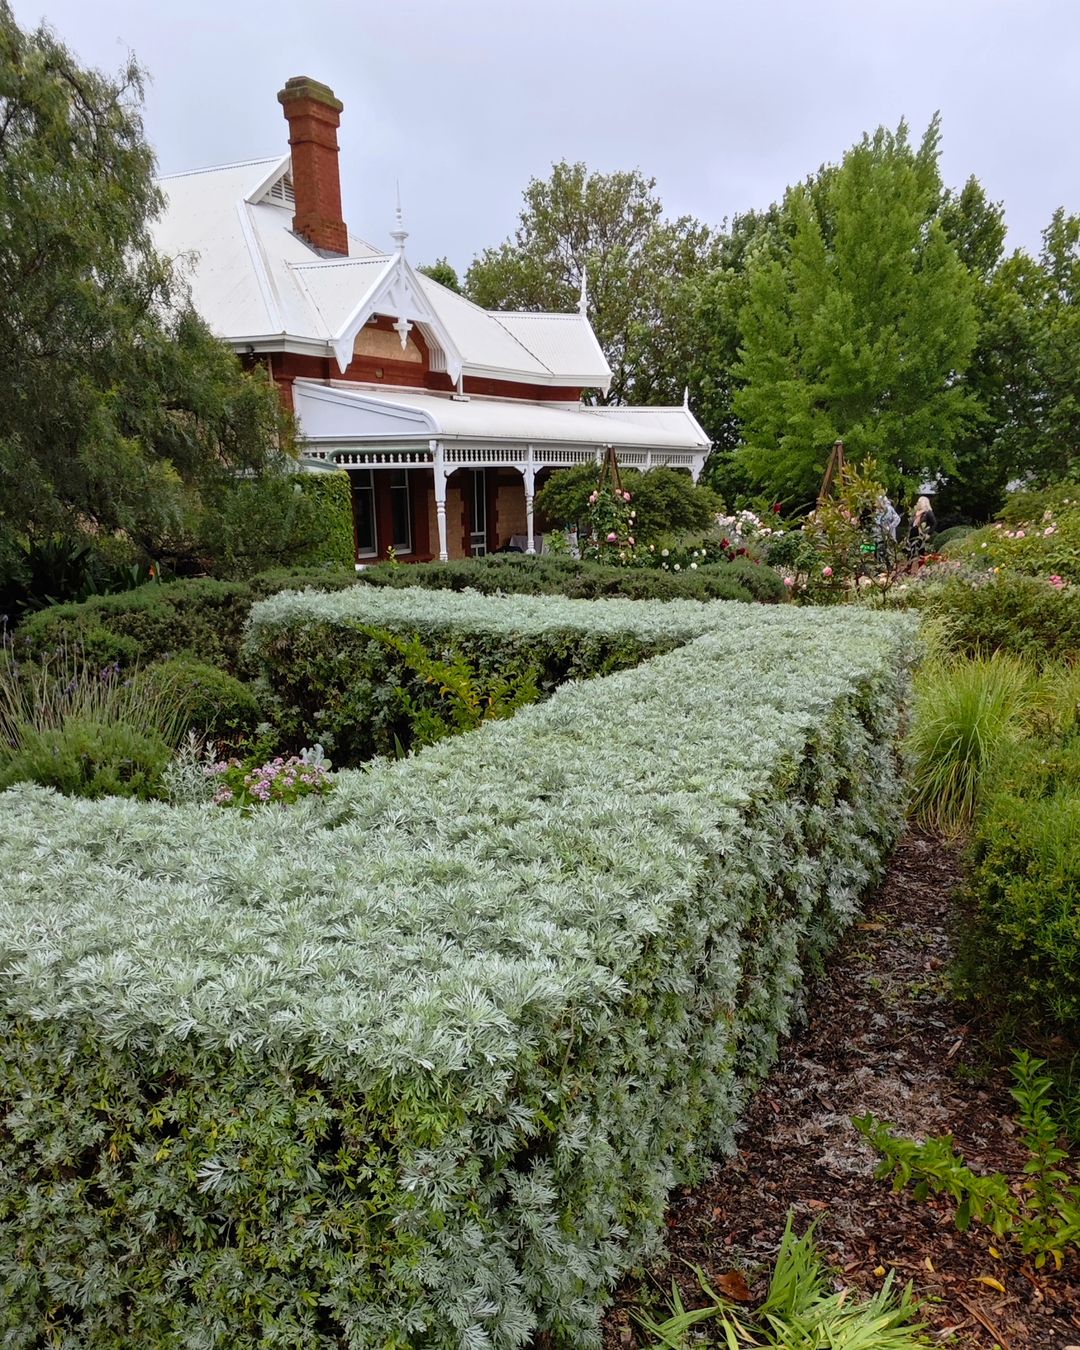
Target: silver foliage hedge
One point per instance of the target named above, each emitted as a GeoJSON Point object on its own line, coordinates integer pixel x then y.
{"type": "Point", "coordinates": [417, 1063]}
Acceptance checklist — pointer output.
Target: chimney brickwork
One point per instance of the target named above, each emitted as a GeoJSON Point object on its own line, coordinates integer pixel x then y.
{"type": "Point", "coordinates": [313, 115]}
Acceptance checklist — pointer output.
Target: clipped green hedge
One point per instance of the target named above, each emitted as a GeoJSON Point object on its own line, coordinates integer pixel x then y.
{"type": "Point", "coordinates": [207, 698]}
{"type": "Point", "coordinates": [205, 618]}
{"type": "Point", "coordinates": [335, 679]}
{"type": "Point", "coordinates": [516, 574]}
{"type": "Point", "coordinates": [332, 494]}
{"type": "Point", "coordinates": [416, 1064]}
{"type": "Point", "coordinates": [202, 617]}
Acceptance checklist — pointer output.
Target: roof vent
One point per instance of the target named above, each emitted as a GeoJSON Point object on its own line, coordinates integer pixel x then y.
{"type": "Point", "coordinates": [280, 192]}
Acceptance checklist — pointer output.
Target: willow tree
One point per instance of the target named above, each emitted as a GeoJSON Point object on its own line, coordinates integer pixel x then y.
{"type": "Point", "coordinates": [860, 327]}
{"type": "Point", "coordinates": [121, 415]}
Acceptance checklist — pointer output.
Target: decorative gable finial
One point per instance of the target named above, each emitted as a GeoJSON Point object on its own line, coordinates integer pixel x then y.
{"type": "Point", "coordinates": [400, 233]}
{"type": "Point", "coordinates": [583, 298]}
{"type": "Point", "coordinates": [686, 397]}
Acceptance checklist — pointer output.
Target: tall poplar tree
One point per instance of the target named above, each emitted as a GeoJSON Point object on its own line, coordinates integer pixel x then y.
{"type": "Point", "coordinates": [861, 328]}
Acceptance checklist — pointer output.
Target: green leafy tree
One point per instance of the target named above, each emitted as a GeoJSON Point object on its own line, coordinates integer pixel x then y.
{"type": "Point", "coordinates": [639, 267]}
{"type": "Point", "coordinates": [861, 328]}
{"type": "Point", "coordinates": [442, 271]}
{"type": "Point", "coordinates": [124, 416]}
{"type": "Point", "coordinates": [1053, 452]}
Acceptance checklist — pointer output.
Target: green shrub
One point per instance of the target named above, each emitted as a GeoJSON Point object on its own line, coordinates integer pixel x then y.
{"type": "Point", "coordinates": [275, 520]}
{"type": "Point", "coordinates": [950, 536]}
{"type": "Point", "coordinates": [88, 759]}
{"type": "Point", "coordinates": [1021, 955]}
{"type": "Point", "coordinates": [965, 714]}
{"type": "Point", "coordinates": [418, 1063]}
{"type": "Point", "coordinates": [82, 730]}
{"type": "Point", "coordinates": [209, 700]}
{"type": "Point", "coordinates": [1038, 534]}
{"type": "Point", "coordinates": [516, 574]}
{"type": "Point", "coordinates": [203, 618]}
{"type": "Point", "coordinates": [1008, 613]}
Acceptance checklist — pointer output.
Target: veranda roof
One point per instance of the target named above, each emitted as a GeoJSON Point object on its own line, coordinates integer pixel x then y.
{"type": "Point", "coordinates": [349, 416]}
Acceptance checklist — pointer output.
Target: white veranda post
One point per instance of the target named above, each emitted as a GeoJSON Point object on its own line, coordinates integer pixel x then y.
{"type": "Point", "coordinates": [529, 475]}
{"type": "Point", "coordinates": [439, 467]}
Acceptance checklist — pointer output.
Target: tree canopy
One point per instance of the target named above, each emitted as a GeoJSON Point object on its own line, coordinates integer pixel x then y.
{"type": "Point", "coordinates": [638, 269]}
{"type": "Point", "coordinates": [861, 327]}
{"type": "Point", "coordinates": [124, 415]}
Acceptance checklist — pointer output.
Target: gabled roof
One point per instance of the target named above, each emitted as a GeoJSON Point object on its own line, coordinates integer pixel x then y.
{"type": "Point", "coordinates": [259, 285]}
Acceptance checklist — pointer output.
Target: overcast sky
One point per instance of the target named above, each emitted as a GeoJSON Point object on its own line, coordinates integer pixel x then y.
{"type": "Point", "coordinates": [724, 103]}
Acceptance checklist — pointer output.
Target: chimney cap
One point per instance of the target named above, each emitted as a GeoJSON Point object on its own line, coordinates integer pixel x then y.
{"type": "Point", "coordinates": [303, 86]}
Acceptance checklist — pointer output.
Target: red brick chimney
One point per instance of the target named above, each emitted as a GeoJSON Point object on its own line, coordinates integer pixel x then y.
{"type": "Point", "coordinates": [313, 115]}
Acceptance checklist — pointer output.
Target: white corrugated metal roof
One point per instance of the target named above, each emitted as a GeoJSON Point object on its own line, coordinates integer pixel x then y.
{"type": "Point", "coordinates": [253, 280]}
{"type": "Point", "coordinates": [564, 343]}
{"type": "Point", "coordinates": [341, 412]}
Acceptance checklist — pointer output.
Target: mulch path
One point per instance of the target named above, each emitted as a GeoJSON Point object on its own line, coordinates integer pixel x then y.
{"type": "Point", "coordinates": [883, 1036]}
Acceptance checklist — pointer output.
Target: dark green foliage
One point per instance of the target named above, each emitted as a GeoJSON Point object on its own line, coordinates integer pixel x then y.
{"type": "Point", "coordinates": [515, 574]}
{"type": "Point", "coordinates": [1012, 613]}
{"type": "Point", "coordinates": [85, 758]}
{"type": "Point", "coordinates": [202, 617]}
{"type": "Point", "coordinates": [1021, 957]}
{"type": "Point", "coordinates": [131, 416]}
{"type": "Point", "coordinates": [665, 501]}
{"type": "Point", "coordinates": [363, 691]}
{"type": "Point", "coordinates": [209, 700]}
{"type": "Point", "coordinates": [55, 569]}
{"type": "Point", "coordinates": [288, 520]}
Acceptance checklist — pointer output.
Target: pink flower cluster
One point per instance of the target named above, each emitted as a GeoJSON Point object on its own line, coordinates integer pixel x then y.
{"type": "Point", "coordinates": [278, 780]}
{"type": "Point", "coordinates": [1058, 583]}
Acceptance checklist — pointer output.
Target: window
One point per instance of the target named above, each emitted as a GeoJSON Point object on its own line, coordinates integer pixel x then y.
{"type": "Point", "coordinates": [400, 510]}
{"type": "Point", "coordinates": [363, 496]}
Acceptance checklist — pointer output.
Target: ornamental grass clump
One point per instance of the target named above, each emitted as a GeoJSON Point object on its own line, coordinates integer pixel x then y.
{"type": "Point", "coordinates": [418, 1062]}
{"type": "Point", "coordinates": [966, 712]}
{"type": "Point", "coordinates": [83, 730]}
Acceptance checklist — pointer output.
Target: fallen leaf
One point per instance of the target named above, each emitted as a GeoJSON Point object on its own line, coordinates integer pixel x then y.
{"type": "Point", "coordinates": [995, 1253]}
{"type": "Point", "coordinates": [990, 1282]}
{"type": "Point", "coordinates": [818, 1204]}
{"type": "Point", "coordinates": [928, 1264]}
{"type": "Point", "coordinates": [733, 1285]}
{"type": "Point", "coordinates": [879, 1271]}
{"type": "Point", "coordinates": [871, 927]}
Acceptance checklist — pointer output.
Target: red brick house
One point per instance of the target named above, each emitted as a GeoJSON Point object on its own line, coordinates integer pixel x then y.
{"type": "Point", "coordinates": [445, 415]}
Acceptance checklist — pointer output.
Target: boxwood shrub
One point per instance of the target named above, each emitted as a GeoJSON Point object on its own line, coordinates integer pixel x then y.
{"type": "Point", "coordinates": [417, 1063]}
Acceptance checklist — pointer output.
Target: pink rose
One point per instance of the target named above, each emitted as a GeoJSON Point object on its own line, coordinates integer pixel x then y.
{"type": "Point", "coordinates": [1057, 581]}
{"type": "Point", "coordinates": [826, 571]}
{"type": "Point", "coordinates": [1020, 534]}
{"type": "Point", "coordinates": [592, 498]}
{"type": "Point", "coordinates": [789, 581]}
{"type": "Point", "coordinates": [612, 537]}
{"type": "Point", "coordinates": [626, 496]}
{"type": "Point", "coordinates": [630, 541]}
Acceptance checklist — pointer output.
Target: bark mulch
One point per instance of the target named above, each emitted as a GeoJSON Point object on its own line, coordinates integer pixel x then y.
{"type": "Point", "coordinates": [883, 1036]}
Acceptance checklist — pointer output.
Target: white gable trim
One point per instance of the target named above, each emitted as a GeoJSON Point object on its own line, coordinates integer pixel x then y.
{"type": "Point", "coordinates": [396, 292]}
